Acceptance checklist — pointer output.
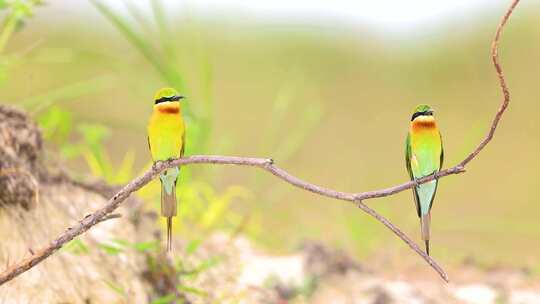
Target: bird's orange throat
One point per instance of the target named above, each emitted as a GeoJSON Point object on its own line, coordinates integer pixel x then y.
{"type": "Point", "coordinates": [168, 107]}
{"type": "Point", "coordinates": [423, 123]}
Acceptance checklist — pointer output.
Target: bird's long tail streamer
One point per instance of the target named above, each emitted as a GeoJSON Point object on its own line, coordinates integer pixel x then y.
{"type": "Point", "coordinates": [169, 233]}
{"type": "Point", "coordinates": [168, 202]}
{"type": "Point", "coordinates": [425, 222]}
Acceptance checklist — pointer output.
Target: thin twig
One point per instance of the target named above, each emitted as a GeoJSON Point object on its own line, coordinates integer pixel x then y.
{"type": "Point", "coordinates": [267, 164]}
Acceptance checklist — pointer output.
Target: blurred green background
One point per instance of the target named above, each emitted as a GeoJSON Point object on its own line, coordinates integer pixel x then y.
{"type": "Point", "coordinates": [330, 102]}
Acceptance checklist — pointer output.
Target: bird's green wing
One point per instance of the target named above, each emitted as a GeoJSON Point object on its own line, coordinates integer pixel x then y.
{"type": "Point", "coordinates": [408, 155]}
{"type": "Point", "coordinates": [442, 152]}
{"type": "Point", "coordinates": [183, 144]}
{"type": "Point", "coordinates": [148, 141]}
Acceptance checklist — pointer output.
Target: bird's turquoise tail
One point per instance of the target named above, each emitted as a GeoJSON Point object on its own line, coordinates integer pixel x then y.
{"type": "Point", "coordinates": [425, 194]}
{"type": "Point", "coordinates": [425, 222]}
{"type": "Point", "coordinates": [168, 199]}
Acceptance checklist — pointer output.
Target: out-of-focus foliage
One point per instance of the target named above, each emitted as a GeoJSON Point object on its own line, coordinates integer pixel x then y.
{"type": "Point", "coordinates": [17, 11]}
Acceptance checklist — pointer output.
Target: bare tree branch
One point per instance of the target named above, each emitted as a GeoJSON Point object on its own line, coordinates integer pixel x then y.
{"type": "Point", "coordinates": [267, 164]}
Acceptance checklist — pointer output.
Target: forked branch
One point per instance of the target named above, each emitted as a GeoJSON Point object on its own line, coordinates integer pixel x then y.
{"type": "Point", "coordinates": [267, 164]}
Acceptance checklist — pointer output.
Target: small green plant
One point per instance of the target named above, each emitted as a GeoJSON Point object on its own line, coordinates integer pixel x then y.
{"type": "Point", "coordinates": [18, 12]}
{"type": "Point", "coordinates": [57, 125]}
{"type": "Point", "coordinates": [77, 247]}
{"type": "Point", "coordinates": [119, 290]}
{"type": "Point", "coordinates": [166, 299]}
{"type": "Point", "coordinates": [192, 290]}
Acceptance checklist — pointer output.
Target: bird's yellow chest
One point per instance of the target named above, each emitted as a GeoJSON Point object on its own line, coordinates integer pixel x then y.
{"type": "Point", "coordinates": [424, 130]}
{"type": "Point", "coordinates": [424, 136]}
{"type": "Point", "coordinates": [426, 146]}
{"type": "Point", "coordinates": [166, 132]}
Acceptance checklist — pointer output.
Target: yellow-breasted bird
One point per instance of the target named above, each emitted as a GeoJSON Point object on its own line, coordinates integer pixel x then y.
{"type": "Point", "coordinates": [166, 140]}
{"type": "Point", "coordinates": [424, 156]}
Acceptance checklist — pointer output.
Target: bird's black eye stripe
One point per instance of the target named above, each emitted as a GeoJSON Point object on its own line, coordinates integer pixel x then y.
{"type": "Point", "coordinates": [424, 113]}
{"type": "Point", "coordinates": [169, 98]}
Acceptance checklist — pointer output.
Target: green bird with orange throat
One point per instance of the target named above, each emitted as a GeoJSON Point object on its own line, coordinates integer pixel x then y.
{"type": "Point", "coordinates": [424, 156]}
{"type": "Point", "coordinates": [166, 140]}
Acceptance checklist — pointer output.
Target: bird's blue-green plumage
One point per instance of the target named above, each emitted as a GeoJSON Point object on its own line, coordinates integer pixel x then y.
{"type": "Point", "coordinates": [166, 138]}
{"type": "Point", "coordinates": [423, 157]}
